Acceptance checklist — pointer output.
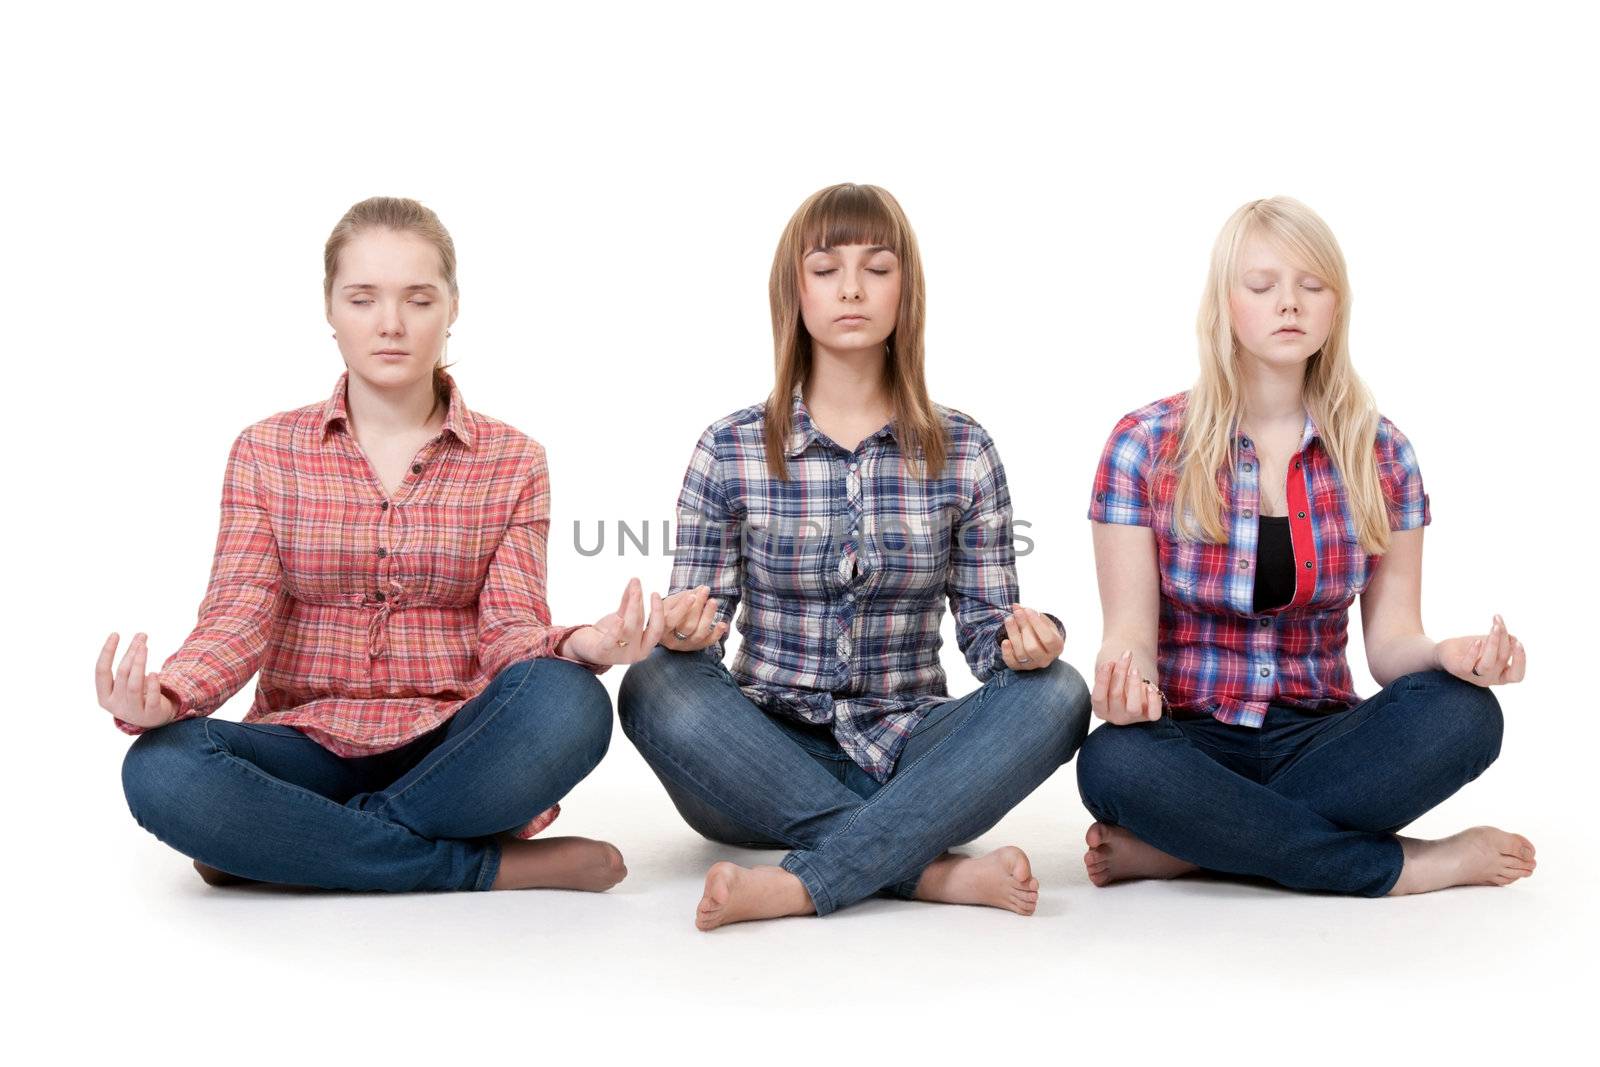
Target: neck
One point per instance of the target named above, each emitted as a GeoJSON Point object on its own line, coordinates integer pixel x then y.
{"type": "Point", "coordinates": [375, 410]}
{"type": "Point", "coordinates": [847, 383]}
{"type": "Point", "coordinates": [1272, 395]}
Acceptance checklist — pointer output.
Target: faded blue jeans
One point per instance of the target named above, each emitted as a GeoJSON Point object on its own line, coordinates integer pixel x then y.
{"type": "Point", "coordinates": [743, 777]}
{"type": "Point", "coordinates": [1310, 800]}
{"type": "Point", "coordinates": [268, 803]}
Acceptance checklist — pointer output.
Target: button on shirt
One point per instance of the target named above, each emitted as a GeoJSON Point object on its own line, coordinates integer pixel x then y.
{"type": "Point", "coordinates": [371, 619]}
{"type": "Point", "coordinates": [844, 569]}
{"type": "Point", "coordinates": [1216, 654]}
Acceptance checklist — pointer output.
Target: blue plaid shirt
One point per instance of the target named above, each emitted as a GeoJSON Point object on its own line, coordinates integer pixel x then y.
{"type": "Point", "coordinates": [843, 571]}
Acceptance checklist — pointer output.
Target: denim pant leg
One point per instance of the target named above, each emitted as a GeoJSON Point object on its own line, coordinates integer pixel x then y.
{"type": "Point", "coordinates": [1154, 781]}
{"type": "Point", "coordinates": [733, 772]}
{"type": "Point", "coordinates": [267, 803]}
{"type": "Point", "coordinates": [508, 754]}
{"type": "Point", "coordinates": [988, 751]}
{"type": "Point", "coordinates": [1384, 763]}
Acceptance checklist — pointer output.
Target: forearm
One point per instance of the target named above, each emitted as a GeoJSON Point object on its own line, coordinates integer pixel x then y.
{"type": "Point", "coordinates": [1391, 656]}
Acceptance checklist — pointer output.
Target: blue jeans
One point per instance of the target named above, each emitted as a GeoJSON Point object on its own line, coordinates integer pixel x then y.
{"type": "Point", "coordinates": [741, 776]}
{"type": "Point", "coordinates": [268, 803]}
{"type": "Point", "coordinates": [1310, 800]}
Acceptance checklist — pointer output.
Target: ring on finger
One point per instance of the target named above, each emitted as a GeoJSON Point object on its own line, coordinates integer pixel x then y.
{"type": "Point", "coordinates": [680, 636]}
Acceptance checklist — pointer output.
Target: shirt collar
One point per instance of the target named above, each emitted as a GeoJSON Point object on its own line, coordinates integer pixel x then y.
{"type": "Point", "coordinates": [457, 419]}
{"type": "Point", "coordinates": [803, 431]}
{"type": "Point", "coordinates": [1307, 435]}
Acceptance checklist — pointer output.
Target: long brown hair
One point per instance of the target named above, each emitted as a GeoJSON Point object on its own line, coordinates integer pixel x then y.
{"type": "Point", "coordinates": [843, 215]}
{"type": "Point", "coordinates": [403, 215]}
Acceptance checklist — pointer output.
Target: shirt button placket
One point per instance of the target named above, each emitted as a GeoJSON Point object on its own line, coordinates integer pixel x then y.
{"type": "Point", "coordinates": [851, 471]}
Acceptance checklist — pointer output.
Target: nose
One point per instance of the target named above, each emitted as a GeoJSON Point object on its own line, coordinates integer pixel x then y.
{"type": "Point", "coordinates": [850, 286]}
{"type": "Point", "coordinates": [391, 324]}
{"type": "Point", "coordinates": [1289, 301]}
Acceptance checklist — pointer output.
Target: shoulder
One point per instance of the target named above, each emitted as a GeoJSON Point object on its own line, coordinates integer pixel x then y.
{"type": "Point", "coordinates": [1147, 434]}
{"type": "Point", "coordinates": [1392, 446]}
{"type": "Point", "coordinates": [494, 441]}
{"type": "Point", "coordinates": [736, 433]}
{"type": "Point", "coordinates": [1157, 420]}
{"type": "Point", "coordinates": [745, 421]}
{"type": "Point", "coordinates": [971, 451]}
{"type": "Point", "coordinates": [282, 435]}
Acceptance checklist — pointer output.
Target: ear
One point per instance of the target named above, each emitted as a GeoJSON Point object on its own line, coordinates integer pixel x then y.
{"type": "Point", "coordinates": [455, 309]}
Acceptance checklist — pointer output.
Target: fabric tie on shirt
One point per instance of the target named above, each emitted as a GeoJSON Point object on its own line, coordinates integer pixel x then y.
{"type": "Point", "coordinates": [378, 629]}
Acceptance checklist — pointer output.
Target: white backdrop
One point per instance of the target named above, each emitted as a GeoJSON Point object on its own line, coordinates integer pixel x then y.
{"type": "Point", "coordinates": [615, 177]}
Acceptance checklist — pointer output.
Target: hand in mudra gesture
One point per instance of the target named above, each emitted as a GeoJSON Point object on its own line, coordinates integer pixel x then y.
{"type": "Point", "coordinates": [1032, 640]}
{"type": "Point", "coordinates": [624, 636]}
{"type": "Point", "coordinates": [128, 692]}
{"type": "Point", "coordinates": [691, 620]}
{"type": "Point", "coordinates": [1494, 658]}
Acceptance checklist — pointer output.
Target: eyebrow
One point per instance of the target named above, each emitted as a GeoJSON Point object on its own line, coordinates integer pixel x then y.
{"type": "Point", "coordinates": [829, 250]}
{"type": "Point", "coordinates": [368, 286]}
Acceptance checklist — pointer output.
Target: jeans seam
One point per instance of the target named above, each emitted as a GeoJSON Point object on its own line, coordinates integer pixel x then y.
{"type": "Point", "coordinates": [823, 905]}
{"type": "Point", "coordinates": [490, 868]}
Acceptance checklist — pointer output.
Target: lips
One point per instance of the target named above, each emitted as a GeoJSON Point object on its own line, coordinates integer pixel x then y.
{"type": "Point", "coordinates": [1291, 331]}
{"type": "Point", "coordinates": [850, 319]}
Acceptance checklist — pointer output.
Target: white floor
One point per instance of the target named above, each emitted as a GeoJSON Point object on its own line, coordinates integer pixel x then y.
{"type": "Point", "coordinates": [149, 955]}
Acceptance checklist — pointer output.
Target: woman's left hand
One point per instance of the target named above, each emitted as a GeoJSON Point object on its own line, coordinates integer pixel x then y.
{"type": "Point", "coordinates": [1495, 658]}
{"type": "Point", "coordinates": [1032, 640]}
{"type": "Point", "coordinates": [621, 637]}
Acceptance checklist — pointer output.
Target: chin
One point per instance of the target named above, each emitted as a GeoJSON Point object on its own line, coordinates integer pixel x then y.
{"type": "Point", "coordinates": [1284, 358]}
{"type": "Point", "coordinates": [392, 376]}
{"type": "Point", "coordinates": [857, 342]}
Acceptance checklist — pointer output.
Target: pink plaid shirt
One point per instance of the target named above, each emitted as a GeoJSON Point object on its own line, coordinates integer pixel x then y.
{"type": "Point", "coordinates": [371, 618]}
{"type": "Point", "coordinates": [1216, 653]}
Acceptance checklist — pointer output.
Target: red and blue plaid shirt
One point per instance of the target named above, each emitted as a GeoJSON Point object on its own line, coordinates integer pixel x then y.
{"type": "Point", "coordinates": [1217, 654]}
{"type": "Point", "coordinates": [844, 570]}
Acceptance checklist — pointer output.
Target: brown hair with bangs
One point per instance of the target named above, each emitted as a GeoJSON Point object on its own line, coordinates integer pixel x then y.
{"type": "Point", "coordinates": [850, 214]}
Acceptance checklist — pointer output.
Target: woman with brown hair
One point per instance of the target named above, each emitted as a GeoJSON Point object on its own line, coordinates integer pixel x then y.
{"type": "Point", "coordinates": [381, 562]}
{"type": "Point", "coordinates": [843, 512]}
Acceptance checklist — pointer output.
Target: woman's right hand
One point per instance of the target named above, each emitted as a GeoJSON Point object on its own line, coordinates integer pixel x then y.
{"type": "Point", "coordinates": [129, 693]}
{"type": "Point", "coordinates": [1120, 696]}
{"type": "Point", "coordinates": [691, 620]}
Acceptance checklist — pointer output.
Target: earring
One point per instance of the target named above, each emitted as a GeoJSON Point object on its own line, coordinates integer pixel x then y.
{"type": "Point", "coordinates": [447, 333]}
{"type": "Point", "coordinates": [335, 336]}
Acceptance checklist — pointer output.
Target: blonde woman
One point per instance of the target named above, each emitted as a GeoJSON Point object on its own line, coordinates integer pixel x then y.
{"type": "Point", "coordinates": [1234, 526]}
{"type": "Point", "coordinates": [842, 513]}
{"type": "Point", "coordinates": [381, 561]}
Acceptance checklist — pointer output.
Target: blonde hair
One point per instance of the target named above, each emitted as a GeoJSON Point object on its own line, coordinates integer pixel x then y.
{"type": "Point", "coordinates": [843, 215]}
{"type": "Point", "coordinates": [403, 215]}
{"type": "Point", "coordinates": [1337, 399]}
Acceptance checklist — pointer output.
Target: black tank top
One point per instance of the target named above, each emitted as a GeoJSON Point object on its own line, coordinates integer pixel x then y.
{"type": "Point", "coordinates": [1274, 564]}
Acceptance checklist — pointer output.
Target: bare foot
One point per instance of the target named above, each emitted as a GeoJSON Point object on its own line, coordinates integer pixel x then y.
{"type": "Point", "coordinates": [736, 894]}
{"type": "Point", "coordinates": [216, 877]}
{"type": "Point", "coordinates": [559, 863]}
{"type": "Point", "coordinates": [1482, 855]}
{"type": "Point", "coordinates": [1002, 879]}
{"type": "Point", "coordinates": [1115, 855]}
